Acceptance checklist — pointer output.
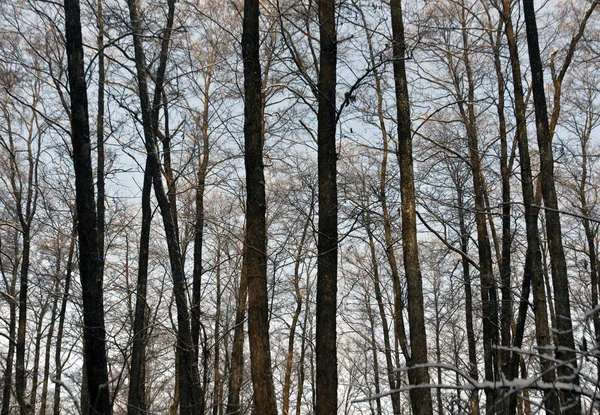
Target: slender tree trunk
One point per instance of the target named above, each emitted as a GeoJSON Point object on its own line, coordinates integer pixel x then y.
{"type": "Point", "coordinates": [20, 378]}
{"type": "Point", "coordinates": [36, 358]}
{"type": "Point", "coordinates": [203, 158]}
{"type": "Point", "coordinates": [326, 337]}
{"type": "Point", "coordinates": [58, 363]}
{"type": "Point", "coordinates": [420, 397]}
{"type": "Point", "coordinates": [464, 247]}
{"type": "Point", "coordinates": [566, 352]}
{"type": "Point", "coordinates": [100, 130]}
{"type": "Point", "coordinates": [488, 284]}
{"type": "Point", "coordinates": [237, 352]}
{"type": "Point", "coordinates": [290, 358]}
{"type": "Point", "coordinates": [533, 263]}
{"type": "Point", "coordinates": [217, 331]}
{"type": "Point", "coordinates": [12, 331]}
{"type": "Point", "coordinates": [590, 233]}
{"type": "Point", "coordinates": [190, 390]}
{"type": "Point", "coordinates": [90, 258]}
{"type": "Point", "coordinates": [50, 335]}
{"type": "Point", "coordinates": [392, 378]}
{"type": "Point", "coordinates": [136, 404]}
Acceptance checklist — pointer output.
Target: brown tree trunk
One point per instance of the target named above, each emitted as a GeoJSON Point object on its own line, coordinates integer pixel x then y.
{"type": "Point", "coordinates": [255, 255]}
{"type": "Point", "coordinates": [90, 258]}
{"type": "Point", "coordinates": [326, 337]}
{"type": "Point", "coordinates": [420, 397]}
{"type": "Point", "coordinates": [217, 331]}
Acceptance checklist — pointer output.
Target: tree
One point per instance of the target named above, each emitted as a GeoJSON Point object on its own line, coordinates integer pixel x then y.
{"type": "Point", "coordinates": [417, 371]}
{"type": "Point", "coordinates": [90, 258]}
{"type": "Point", "coordinates": [326, 337]}
{"type": "Point", "coordinates": [255, 245]}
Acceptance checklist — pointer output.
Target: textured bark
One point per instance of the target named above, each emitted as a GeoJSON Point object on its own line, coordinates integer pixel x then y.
{"type": "Point", "coordinates": [326, 337]}
{"type": "Point", "coordinates": [90, 258]}
{"type": "Point", "coordinates": [255, 256]}
{"type": "Point", "coordinates": [566, 352]}
{"type": "Point", "coordinates": [420, 397]}
{"type": "Point", "coordinates": [533, 262]}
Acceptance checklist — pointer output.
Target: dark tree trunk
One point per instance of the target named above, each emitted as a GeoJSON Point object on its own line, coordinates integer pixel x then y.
{"type": "Point", "coordinates": [190, 390]}
{"type": "Point", "coordinates": [466, 268]}
{"type": "Point", "coordinates": [61, 320]}
{"type": "Point", "coordinates": [12, 331]}
{"type": "Point", "coordinates": [203, 158]}
{"type": "Point", "coordinates": [90, 259]}
{"type": "Point", "coordinates": [237, 352]}
{"type": "Point", "coordinates": [533, 262]}
{"type": "Point", "coordinates": [255, 255]}
{"type": "Point", "coordinates": [420, 397]}
{"type": "Point", "coordinates": [326, 350]}
{"type": "Point", "coordinates": [566, 352]}
{"type": "Point", "coordinates": [136, 404]}
{"type": "Point", "coordinates": [100, 130]}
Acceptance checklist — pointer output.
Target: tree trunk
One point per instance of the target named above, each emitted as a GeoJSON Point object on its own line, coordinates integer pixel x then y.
{"type": "Point", "coordinates": [420, 397]}
{"type": "Point", "coordinates": [466, 271]}
{"type": "Point", "coordinates": [255, 256]}
{"type": "Point", "coordinates": [326, 337]}
{"type": "Point", "coordinates": [237, 352]}
{"type": "Point", "coordinates": [12, 331]}
{"type": "Point", "coordinates": [533, 263]}
{"type": "Point", "coordinates": [90, 259]}
{"type": "Point", "coordinates": [190, 391]}
{"type": "Point", "coordinates": [290, 358]}
{"type": "Point", "coordinates": [58, 364]}
{"type": "Point", "coordinates": [566, 352]}
{"type": "Point", "coordinates": [136, 404]}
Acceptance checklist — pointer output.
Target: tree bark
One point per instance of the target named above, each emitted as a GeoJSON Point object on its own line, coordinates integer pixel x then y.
{"type": "Point", "coordinates": [326, 337]}
{"type": "Point", "coordinates": [90, 258]}
{"type": "Point", "coordinates": [566, 352]}
{"type": "Point", "coordinates": [533, 262]}
{"type": "Point", "coordinates": [255, 255]}
{"type": "Point", "coordinates": [420, 397]}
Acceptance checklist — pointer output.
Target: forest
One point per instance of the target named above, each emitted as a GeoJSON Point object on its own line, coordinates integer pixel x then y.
{"type": "Point", "coordinates": [299, 207]}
